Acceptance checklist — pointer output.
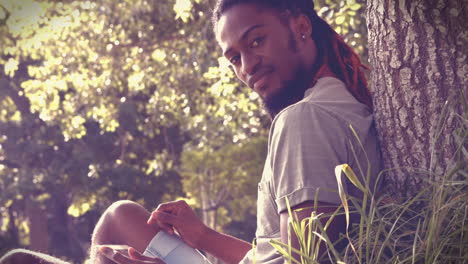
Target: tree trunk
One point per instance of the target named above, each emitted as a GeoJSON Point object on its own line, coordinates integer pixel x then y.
{"type": "Point", "coordinates": [12, 229]}
{"type": "Point", "coordinates": [206, 206]}
{"type": "Point", "coordinates": [63, 237]}
{"type": "Point", "coordinates": [418, 55]}
{"type": "Point", "coordinates": [39, 235]}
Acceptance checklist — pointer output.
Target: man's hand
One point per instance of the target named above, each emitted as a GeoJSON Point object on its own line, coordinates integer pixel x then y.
{"type": "Point", "coordinates": [134, 257]}
{"type": "Point", "coordinates": [179, 216]}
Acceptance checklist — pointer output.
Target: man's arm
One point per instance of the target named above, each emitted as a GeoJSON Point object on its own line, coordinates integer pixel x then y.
{"type": "Point", "coordinates": [178, 216]}
{"type": "Point", "coordinates": [304, 210]}
{"type": "Point", "coordinates": [224, 247]}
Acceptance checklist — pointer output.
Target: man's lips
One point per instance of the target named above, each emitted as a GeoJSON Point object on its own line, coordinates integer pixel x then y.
{"type": "Point", "coordinates": [260, 83]}
{"type": "Point", "coordinates": [258, 80]}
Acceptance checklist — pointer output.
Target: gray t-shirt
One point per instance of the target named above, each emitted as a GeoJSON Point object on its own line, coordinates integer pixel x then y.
{"type": "Point", "coordinates": [307, 141]}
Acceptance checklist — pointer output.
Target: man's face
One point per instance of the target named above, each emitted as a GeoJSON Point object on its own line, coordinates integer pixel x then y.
{"type": "Point", "coordinates": [262, 49]}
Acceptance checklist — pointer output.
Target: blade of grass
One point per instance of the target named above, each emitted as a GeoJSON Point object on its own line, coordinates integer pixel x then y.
{"type": "Point", "coordinates": [344, 201]}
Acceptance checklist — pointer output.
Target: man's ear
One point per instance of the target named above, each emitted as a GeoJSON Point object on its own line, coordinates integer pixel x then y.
{"type": "Point", "coordinates": [302, 26]}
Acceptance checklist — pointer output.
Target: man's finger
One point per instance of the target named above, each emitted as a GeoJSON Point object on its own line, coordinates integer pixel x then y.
{"type": "Point", "coordinates": [166, 227]}
{"type": "Point", "coordinates": [107, 252]}
{"type": "Point", "coordinates": [122, 259]}
{"type": "Point", "coordinates": [167, 207]}
{"type": "Point", "coordinates": [172, 207]}
{"type": "Point", "coordinates": [134, 254]}
{"type": "Point", "coordinates": [164, 220]}
{"type": "Point", "coordinates": [114, 255]}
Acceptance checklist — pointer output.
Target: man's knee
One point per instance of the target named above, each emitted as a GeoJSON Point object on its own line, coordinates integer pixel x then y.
{"type": "Point", "coordinates": [123, 208]}
{"type": "Point", "coordinates": [23, 256]}
{"type": "Point", "coordinates": [123, 211]}
{"type": "Point", "coordinates": [120, 214]}
{"type": "Point", "coordinates": [16, 256]}
{"type": "Point", "coordinates": [124, 222]}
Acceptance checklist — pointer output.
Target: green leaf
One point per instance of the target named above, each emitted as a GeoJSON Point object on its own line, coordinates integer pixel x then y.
{"type": "Point", "coordinates": [355, 6]}
{"type": "Point", "coordinates": [339, 20]}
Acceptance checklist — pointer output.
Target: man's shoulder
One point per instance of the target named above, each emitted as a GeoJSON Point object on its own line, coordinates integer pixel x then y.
{"type": "Point", "coordinates": [327, 90]}
{"type": "Point", "coordinates": [322, 99]}
{"type": "Point", "coordinates": [300, 111]}
{"type": "Point", "coordinates": [327, 103]}
{"type": "Point", "coordinates": [304, 116]}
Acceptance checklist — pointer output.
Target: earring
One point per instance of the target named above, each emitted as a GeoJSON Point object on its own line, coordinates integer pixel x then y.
{"type": "Point", "coordinates": [303, 36]}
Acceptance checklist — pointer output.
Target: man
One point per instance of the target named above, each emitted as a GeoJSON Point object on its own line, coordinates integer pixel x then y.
{"type": "Point", "coordinates": [280, 49]}
{"type": "Point", "coordinates": [312, 85]}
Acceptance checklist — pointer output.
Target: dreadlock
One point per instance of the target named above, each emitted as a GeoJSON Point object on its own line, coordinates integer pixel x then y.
{"type": "Point", "coordinates": [332, 50]}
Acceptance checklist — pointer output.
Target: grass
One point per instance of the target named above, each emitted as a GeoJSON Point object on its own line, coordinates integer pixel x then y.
{"type": "Point", "coordinates": [431, 226]}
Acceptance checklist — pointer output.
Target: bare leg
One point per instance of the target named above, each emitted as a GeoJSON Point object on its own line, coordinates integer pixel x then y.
{"type": "Point", "coordinates": [24, 256]}
{"type": "Point", "coordinates": [124, 223]}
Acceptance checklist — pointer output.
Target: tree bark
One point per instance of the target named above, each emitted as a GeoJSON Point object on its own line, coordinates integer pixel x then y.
{"type": "Point", "coordinates": [418, 55]}
{"type": "Point", "coordinates": [12, 229]}
{"type": "Point", "coordinates": [206, 206]}
{"type": "Point", "coordinates": [39, 235]}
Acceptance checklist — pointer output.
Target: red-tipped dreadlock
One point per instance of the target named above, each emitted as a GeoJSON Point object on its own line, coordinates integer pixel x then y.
{"type": "Point", "coordinates": [342, 60]}
{"type": "Point", "coordinates": [332, 49]}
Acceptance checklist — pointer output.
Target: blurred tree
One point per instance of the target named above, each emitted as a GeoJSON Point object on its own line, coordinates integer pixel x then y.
{"type": "Point", "coordinates": [224, 178]}
{"type": "Point", "coordinates": [97, 102]}
{"type": "Point", "coordinates": [223, 182]}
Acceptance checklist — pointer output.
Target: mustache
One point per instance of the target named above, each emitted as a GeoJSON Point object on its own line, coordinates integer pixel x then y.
{"type": "Point", "coordinates": [259, 73]}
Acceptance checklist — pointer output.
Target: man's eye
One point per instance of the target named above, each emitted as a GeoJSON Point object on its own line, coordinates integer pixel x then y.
{"type": "Point", "coordinates": [234, 60]}
{"type": "Point", "coordinates": [256, 42]}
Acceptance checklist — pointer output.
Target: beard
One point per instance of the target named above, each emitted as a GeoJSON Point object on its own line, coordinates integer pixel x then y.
{"type": "Point", "coordinates": [290, 92]}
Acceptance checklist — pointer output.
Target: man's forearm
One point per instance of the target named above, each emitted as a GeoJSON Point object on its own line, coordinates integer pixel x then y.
{"type": "Point", "coordinates": [224, 247]}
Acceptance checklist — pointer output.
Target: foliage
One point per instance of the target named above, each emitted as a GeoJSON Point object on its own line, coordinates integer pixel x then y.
{"type": "Point", "coordinates": [98, 101]}
{"type": "Point", "coordinates": [226, 177]}
{"type": "Point", "coordinates": [348, 20]}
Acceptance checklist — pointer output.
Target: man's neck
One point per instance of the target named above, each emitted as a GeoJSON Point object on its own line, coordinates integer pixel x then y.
{"type": "Point", "coordinates": [324, 71]}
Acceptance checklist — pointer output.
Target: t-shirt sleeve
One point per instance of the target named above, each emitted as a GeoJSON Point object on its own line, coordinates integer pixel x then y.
{"type": "Point", "coordinates": [306, 144]}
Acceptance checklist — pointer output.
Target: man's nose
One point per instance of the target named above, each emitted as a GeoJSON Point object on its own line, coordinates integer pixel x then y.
{"type": "Point", "coordinates": [250, 63]}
